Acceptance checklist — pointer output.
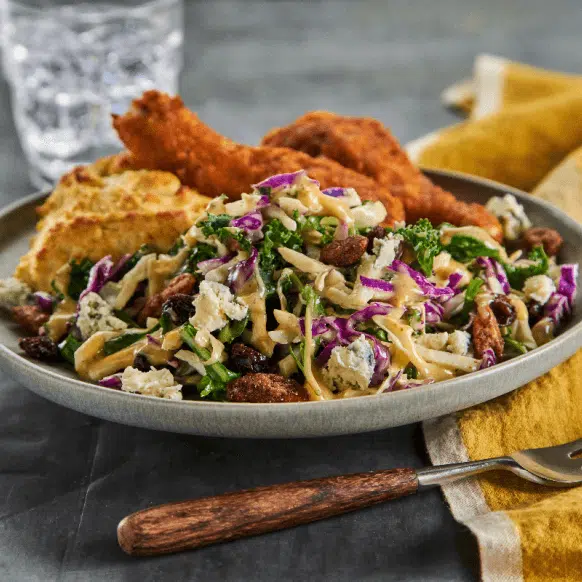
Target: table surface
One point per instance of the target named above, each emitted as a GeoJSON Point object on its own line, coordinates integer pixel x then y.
{"type": "Point", "coordinates": [66, 479]}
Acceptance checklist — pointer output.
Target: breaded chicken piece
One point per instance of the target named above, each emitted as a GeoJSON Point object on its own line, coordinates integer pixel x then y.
{"type": "Point", "coordinates": [93, 214]}
{"type": "Point", "coordinates": [366, 146]}
{"type": "Point", "coordinates": [161, 133]}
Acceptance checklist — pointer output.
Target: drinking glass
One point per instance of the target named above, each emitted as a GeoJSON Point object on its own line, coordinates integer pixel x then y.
{"type": "Point", "coordinates": [70, 65]}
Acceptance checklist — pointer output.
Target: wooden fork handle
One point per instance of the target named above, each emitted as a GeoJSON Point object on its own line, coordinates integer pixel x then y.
{"type": "Point", "coordinates": [191, 524]}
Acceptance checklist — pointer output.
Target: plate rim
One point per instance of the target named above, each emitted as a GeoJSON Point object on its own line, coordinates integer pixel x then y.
{"type": "Point", "coordinates": [349, 405]}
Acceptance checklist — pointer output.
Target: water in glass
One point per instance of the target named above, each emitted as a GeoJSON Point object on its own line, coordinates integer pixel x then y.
{"type": "Point", "coordinates": [70, 67]}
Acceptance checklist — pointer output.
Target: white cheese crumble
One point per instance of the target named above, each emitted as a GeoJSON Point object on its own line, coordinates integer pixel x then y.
{"type": "Point", "coordinates": [95, 314]}
{"type": "Point", "coordinates": [351, 366]}
{"type": "Point", "coordinates": [158, 383]}
{"type": "Point", "coordinates": [371, 214]}
{"type": "Point", "coordinates": [215, 305]}
{"type": "Point", "coordinates": [457, 342]}
{"type": "Point", "coordinates": [539, 288]}
{"type": "Point", "coordinates": [13, 293]}
{"type": "Point", "coordinates": [511, 215]}
{"type": "Point", "coordinates": [385, 250]}
{"type": "Point", "coordinates": [433, 341]}
{"type": "Point", "coordinates": [351, 197]}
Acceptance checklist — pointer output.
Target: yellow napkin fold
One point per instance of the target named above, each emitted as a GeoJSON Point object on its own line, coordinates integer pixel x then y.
{"type": "Point", "coordinates": [525, 531]}
{"type": "Point", "coordinates": [524, 121]}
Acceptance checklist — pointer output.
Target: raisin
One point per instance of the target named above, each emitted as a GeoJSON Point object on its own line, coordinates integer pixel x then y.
{"type": "Point", "coordinates": [376, 232]}
{"type": "Point", "coordinates": [343, 253]}
{"type": "Point", "coordinates": [535, 310]}
{"type": "Point", "coordinates": [245, 359]}
{"type": "Point", "coordinates": [503, 310]}
{"type": "Point", "coordinates": [179, 307]}
{"type": "Point", "coordinates": [40, 347]}
{"type": "Point", "coordinates": [182, 284]}
{"type": "Point", "coordinates": [141, 362]}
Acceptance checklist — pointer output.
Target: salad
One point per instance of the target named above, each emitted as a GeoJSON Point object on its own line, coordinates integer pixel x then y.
{"type": "Point", "coordinates": [294, 293]}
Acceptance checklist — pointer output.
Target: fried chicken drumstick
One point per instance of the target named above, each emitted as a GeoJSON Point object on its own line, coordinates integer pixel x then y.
{"type": "Point", "coordinates": [366, 146]}
{"type": "Point", "coordinates": [161, 133]}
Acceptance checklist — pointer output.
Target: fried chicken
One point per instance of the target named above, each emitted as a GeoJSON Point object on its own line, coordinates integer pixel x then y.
{"type": "Point", "coordinates": [161, 133]}
{"type": "Point", "coordinates": [366, 146]}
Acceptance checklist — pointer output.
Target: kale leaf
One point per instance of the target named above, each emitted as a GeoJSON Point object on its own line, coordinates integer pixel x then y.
{"type": "Point", "coordinates": [517, 275]}
{"type": "Point", "coordinates": [426, 242]}
{"type": "Point", "coordinates": [466, 248]}
{"type": "Point", "coordinates": [79, 277]}
{"type": "Point", "coordinates": [201, 252]}
{"type": "Point", "coordinates": [213, 383]}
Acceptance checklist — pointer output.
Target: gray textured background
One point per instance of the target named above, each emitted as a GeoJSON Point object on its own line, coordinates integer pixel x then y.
{"type": "Point", "coordinates": [66, 479]}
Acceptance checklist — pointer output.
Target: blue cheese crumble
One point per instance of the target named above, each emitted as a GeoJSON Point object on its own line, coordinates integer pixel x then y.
{"type": "Point", "coordinates": [13, 293]}
{"type": "Point", "coordinates": [159, 383]}
{"type": "Point", "coordinates": [95, 314]}
{"type": "Point", "coordinates": [351, 366]}
{"type": "Point", "coordinates": [215, 305]}
{"type": "Point", "coordinates": [511, 215]}
{"type": "Point", "coordinates": [539, 288]}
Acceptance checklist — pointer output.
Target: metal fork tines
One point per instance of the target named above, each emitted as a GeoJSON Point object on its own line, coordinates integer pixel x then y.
{"type": "Point", "coordinates": [557, 466]}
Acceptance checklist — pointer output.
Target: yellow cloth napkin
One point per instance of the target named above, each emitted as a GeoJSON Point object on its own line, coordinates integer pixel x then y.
{"type": "Point", "coordinates": [527, 119]}
{"type": "Point", "coordinates": [524, 121]}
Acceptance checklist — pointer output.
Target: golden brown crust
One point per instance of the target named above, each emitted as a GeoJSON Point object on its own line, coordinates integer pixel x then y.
{"type": "Point", "coordinates": [106, 209]}
{"type": "Point", "coordinates": [161, 133]}
{"type": "Point", "coordinates": [366, 146]}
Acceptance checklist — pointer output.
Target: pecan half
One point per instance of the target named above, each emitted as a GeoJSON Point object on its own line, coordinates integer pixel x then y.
{"type": "Point", "coordinates": [486, 333]}
{"type": "Point", "coordinates": [262, 387]}
{"type": "Point", "coordinates": [30, 317]}
{"type": "Point", "coordinates": [343, 253]}
{"type": "Point", "coordinates": [548, 238]}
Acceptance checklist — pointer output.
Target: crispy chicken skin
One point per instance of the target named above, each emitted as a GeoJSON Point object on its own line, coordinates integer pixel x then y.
{"type": "Point", "coordinates": [161, 133]}
{"type": "Point", "coordinates": [366, 146]}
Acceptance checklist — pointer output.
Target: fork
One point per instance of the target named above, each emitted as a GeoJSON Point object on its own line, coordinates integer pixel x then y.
{"type": "Point", "coordinates": [185, 525]}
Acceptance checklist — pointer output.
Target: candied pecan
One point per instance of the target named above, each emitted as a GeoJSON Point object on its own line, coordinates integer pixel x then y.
{"type": "Point", "coordinates": [343, 253]}
{"type": "Point", "coordinates": [486, 333]}
{"type": "Point", "coordinates": [40, 347]}
{"type": "Point", "coordinates": [182, 284]}
{"type": "Point", "coordinates": [245, 359]}
{"type": "Point", "coordinates": [265, 388]}
{"type": "Point", "coordinates": [376, 232]}
{"type": "Point", "coordinates": [30, 317]}
{"type": "Point", "coordinates": [503, 310]}
{"type": "Point", "coordinates": [549, 238]}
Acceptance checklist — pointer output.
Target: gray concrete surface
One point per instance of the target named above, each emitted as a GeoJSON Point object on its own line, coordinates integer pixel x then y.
{"type": "Point", "coordinates": [66, 479]}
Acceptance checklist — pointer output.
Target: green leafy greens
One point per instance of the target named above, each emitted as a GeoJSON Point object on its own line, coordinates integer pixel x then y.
{"type": "Point", "coordinates": [425, 240]}
{"type": "Point", "coordinates": [213, 383]}
{"type": "Point", "coordinates": [79, 277]}
{"type": "Point", "coordinates": [518, 275]}
{"type": "Point", "coordinates": [275, 236]}
{"type": "Point", "coordinates": [466, 248]}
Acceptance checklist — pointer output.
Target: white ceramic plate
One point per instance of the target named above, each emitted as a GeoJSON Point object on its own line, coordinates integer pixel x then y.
{"type": "Point", "coordinates": [306, 419]}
